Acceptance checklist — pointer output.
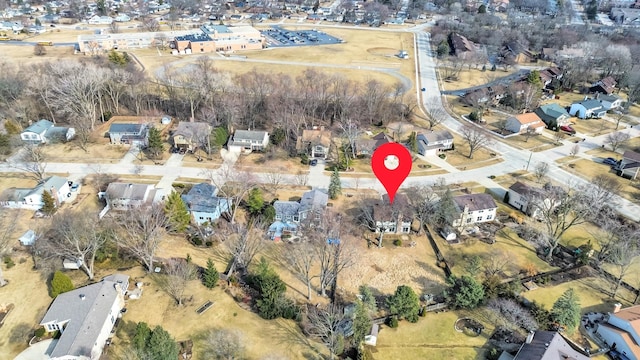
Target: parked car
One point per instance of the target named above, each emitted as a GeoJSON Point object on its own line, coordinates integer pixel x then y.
{"type": "Point", "coordinates": [313, 162]}
{"type": "Point", "coordinates": [567, 129]}
{"type": "Point", "coordinates": [75, 187]}
{"type": "Point", "coordinates": [610, 161]}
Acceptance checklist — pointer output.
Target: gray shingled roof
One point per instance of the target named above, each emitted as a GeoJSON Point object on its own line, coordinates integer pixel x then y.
{"type": "Point", "coordinates": [248, 135]}
{"type": "Point", "coordinates": [39, 127]}
{"type": "Point", "coordinates": [286, 208]}
{"type": "Point", "coordinates": [85, 316]}
{"type": "Point", "coordinates": [55, 182]}
{"type": "Point", "coordinates": [190, 130]}
{"type": "Point", "coordinates": [632, 155]}
{"type": "Point", "coordinates": [548, 345]}
{"type": "Point", "coordinates": [127, 191]}
{"type": "Point", "coordinates": [553, 110]}
{"type": "Point", "coordinates": [591, 104]}
{"type": "Point", "coordinates": [436, 136]}
{"type": "Point", "coordinates": [202, 198]}
{"type": "Point", "coordinates": [126, 128]}
{"type": "Point", "coordinates": [313, 200]}
{"type": "Point", "coordinates": [475, 202]}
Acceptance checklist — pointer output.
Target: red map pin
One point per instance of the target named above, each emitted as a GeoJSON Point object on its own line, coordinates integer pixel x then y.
{"type": "Point", "coordinates": [391, 163]}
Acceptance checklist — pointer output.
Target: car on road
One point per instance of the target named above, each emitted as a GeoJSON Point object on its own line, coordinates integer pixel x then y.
{"type": "Point", "coordinates": [568, 129]}
{"type": "Point", "coordinates": [313, 162]}
{"type": "Point", "coordinates": [610, 161]}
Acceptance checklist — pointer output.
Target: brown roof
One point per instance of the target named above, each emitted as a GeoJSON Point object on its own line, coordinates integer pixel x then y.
{"type": "Point", "coordinates": [475, 202]}
{"type": "Point", "coordinates": [191, 130]}
{"type": "Point", "coordinates": [528, 118]}
{"type": "Point", "coordinates": [461, 44]}
{"type": "Point", "coordinates": [632, 155]}
{"type": "Point", "coordinates": [316, 137]}
{"type": "Point", "coordinates": [633, 346]}
{"type": "Point", "coordinates": [382, 211]}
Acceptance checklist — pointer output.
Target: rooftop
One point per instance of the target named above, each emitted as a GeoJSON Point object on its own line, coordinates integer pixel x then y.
{"type": "Point", "coordinates": [313, 200]}
{"type": "Point", "coordinates": [85, 311]}
{"type": "Point", "coordinates": [316, 137]}
{"type": "Point", "coordinates": [591, 104]}
{"type": "Point", "coordinates": [554, 110]}
{"type": "Point", "coordinates": [202, 198]}
{"type": "Point", "coordinates": [129, 191]}
{"type": "Point", "coordinates": [528, 118]}
{"type": "Point", "coordinates": [548, 345]}
{"type": "Point", "coordinates": [474, 202]}
{"type": "Point", "coordinates": [632, 155]}
{"type": "Point", "coordinates": [191, 130]}
{"type": "Point", "coordinates": [437, 136]}
{"type": "Point", "coordinates": [39, 127]}
{"type": "Point", "coordinates": [248, 135]}
{"type": "Point", "coordinates": [126, 128]}
{"type": "Point", "coordinates": [286, 208]}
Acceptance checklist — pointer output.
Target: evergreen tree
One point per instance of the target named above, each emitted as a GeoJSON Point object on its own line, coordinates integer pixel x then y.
{"type": "Point", "coordinates": [218, 137]}
{"type": "Point", "coordinates": [464, 292]}
{"type": "Point", "coordinates": [368, 299]}
{"type": "Point", "coordinates": [443, 48]}
{"type": "Point", "coordinates": [277, 136]}
{"type": "Point", "coordinates": [60, 283]}
{"type": "Point", "coordinates": [271, 289]}
{"type": "Point", "coordinates": [534, 78]}
{"type": "Point", "coordinates": [177, 212]}
{"type": "Point", "coordinates": [155, 146]}
{"type": "Point", "coordinates": [335, 187]}
{"type": "Point", "coordinates": [161, 345]}
{"type": "Point", "coordinates": [566, 310]}
{"type": "Point", "coordinates": [255, 201]}
{"type": "Point", "coordinates": [361, 323]}
{"type": "Point", "coordinates": [446, 210]}
{"type": "Point", "coordinates": [210, 275]}
{"type": "Point", "coordinates": [405, 303]}
{"type": "Point", "coordinates": [413, 142]}
{"type": "Point", "coordinates": [140, 337]}
{"type": "Point", "coordinates": [48, 203]}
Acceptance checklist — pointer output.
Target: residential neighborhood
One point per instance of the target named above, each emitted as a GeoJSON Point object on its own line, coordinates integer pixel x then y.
{"type": "Point", "coordinates": [203, 180]}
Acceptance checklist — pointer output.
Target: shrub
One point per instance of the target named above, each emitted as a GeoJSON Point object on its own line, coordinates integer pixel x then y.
{"type": "Point", "coordinates": [60, 283]}
{"type": "Point", "coordinates": [304, 159]}
{"type": "Point", "coordinates": [442, 156]}
{"type": "Point", "coordinates": [209, 243]}
{"type": "Point", "coordinates": [393, 322]}
{"type": "Point", "coordinates": [397, 242]}
{"type": "Point", "coordinates": [9, 262]}
{"type": "Point", "coordinates": [39, 332]}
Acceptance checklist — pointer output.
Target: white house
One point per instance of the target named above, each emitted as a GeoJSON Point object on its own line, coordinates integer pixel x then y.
{"type": "Point", "coordinates": [621, 331]}
{"type": "Point", "coordinates": [14, 26]}
{"type": "Point", "coordinates": [85, 318]}
{"type": "Point", "coordinates": [315, 142]}
{"type": "Point", "coordinates": [122, 196]}
{"type": "Point", "coordinates": [248, 141]}
{"type": "Point", "coordinates": [523, 123]}
{"type": "Point", "coordinates": [100, 20]}
{"type": "Point", "coordinates": [610, 102]}
{"type": "Point", "coordinates": [122, 18]}
{"type": "Point", "coordinates": [433, 142]}
{"type": "Point", "coordinates": [25, 198]}
{"type": "Point", "coordinates": [587, 109]}
{"type": "Point", "coordinates": [203, 203]}
{"type": "Point", "coordinates": [289, 214]}
{"type": "Point", "coordinates": [134, 134]}
{"type": "Point", "coordinates": [43, 131]}
{"type": "Point", "coordinates": [392, 219]}
{"type": "Point", "coordinates": [473, 209]}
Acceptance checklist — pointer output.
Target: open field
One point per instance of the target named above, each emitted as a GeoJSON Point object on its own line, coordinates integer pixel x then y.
{"type": "Point", "coordinates": [23, 55]}
{"type": "Point", "coordinates": [475, 77]}
{"type": "Point", "coordinates": [432, 337]}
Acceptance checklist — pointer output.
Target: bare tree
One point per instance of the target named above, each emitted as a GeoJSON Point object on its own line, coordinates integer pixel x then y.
{"type": "Point", "coordinates": [150, 24]}
{"type": "Point", "coordinates": [622, 256]}
{"type": "Point", "coordinates": [114, 27]}
{"type": "Point", "coordinates": [275, 178]}
{"type": "Point", "coordinates": [333, 252]}
{"type": "Point", "coordinates": [616, 139]}
{"type": "Point", "coordinates": [140, 231]}
{"type": "Point", "coordinates": [8, 221]}
{"type": "Point", "coordinates": [558, 136]}
{"type": "Point", "coordinates": [32, 160]}
{"type": "Point", "coordinates": [496, 262]}
{"type": "Point", "coordinates": [423, 201]}
{"type": "Point", "coordinates": [76, 236]}
{"type": "Point", "coordinates": [234, 184]}
{"type": "Point", "coordinates": [475, 137]}
{"type": "Point", "coordinates": [324, 324]}
{"type": "Point", "coordinates": [529, 133]}
{"type": "Point", "coordinates": [560, 209]}
{"type": "Point", "coordinates": [602, 191]}
{"type": "Point", "coordinates": [541, 171]}
{"type": "Point", "coordinates": [351, 132]}
{"type": "Point", "coordinates": [302, 178]}
{"type": "Point", "coordinates": [178, 273]}
{"type": "Point", "coordinates": [243, 244]}
{"type": "Point", "coordinates": [224, 344]}
{"type": "Point", "coordinates": [435, 116]}
{"type": "Point", "coordinates": [301, 259]}
{"type": "Point", "coordinates": [609, 233]}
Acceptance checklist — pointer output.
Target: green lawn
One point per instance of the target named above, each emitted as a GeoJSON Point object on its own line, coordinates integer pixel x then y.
{"type": "Point", "coordinates": [432, 337]}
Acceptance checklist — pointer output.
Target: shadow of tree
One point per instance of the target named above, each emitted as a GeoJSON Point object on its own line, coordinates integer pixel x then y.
{"type": "Point", "coordinates": [288, 333]}
{"type": "Point", "coordinates": [21, 333]}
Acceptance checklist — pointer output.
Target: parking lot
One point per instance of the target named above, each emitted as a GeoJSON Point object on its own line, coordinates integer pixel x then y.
{"type": "Point", "coordinates": [278, 37]}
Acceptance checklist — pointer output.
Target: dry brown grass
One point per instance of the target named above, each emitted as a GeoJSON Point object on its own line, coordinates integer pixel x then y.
{"type": "Point", "coordinates": [534, 143]}
{"type": "Point", "coordinates": [23, 55]}
{"type": "Point", "coordinates": [475, 77]}
{"type": "Point", "coordinates": [98, 152]}
{"type": "Point", "coordinates": [593, 127]}
{"type": "Point", "coordinates": [276, 159]}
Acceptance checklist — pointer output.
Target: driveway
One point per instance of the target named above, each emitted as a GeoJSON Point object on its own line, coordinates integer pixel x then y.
{"type": "Point", "coordinates": [37, 351]}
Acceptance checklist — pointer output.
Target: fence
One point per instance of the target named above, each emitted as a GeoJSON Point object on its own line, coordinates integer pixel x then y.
{"type": "Point", "coordinates": [442, 262]}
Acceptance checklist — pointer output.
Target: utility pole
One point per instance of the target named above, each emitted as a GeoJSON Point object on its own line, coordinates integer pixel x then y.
{"type": "Point", "coordinates": [529, 162]}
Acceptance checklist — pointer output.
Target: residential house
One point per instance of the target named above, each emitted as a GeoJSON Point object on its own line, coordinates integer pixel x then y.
{"type": "Point", "coordinates": [31, 198]}
{"type": "Point", "coordinates": [366, 147]}
{"type": "Point", "coordinates": [248, 141]}
{"type": "Point", "coordinates": [609, 102]}
{"type": "Point", "coordinates": [553, 115]}
{"type": "Point", "coordinates": [547, 76]}
{"type": "Point", "coordinates": [128, 133]}
{"type": "Point", "coordinates": [43, 131]}
{"type": "Point", "coordinates": [85, 318]}
{"type": "Point", "coordinates": [122, 18]}
{"type": "Point", "coordinates": [14, 26]}
{"type": "Point", "coordinates": [526, 122]}
{"type": "Point", "coordinates": [316, 143]}
{"type": "Point", "coordinates": [190, 136]}
{"type": "Point", "coordinates": [478, 97]}
{"type": "Point", "coordinates": [461, 46]}
{"type": "Point", "coordinates": [204, 204]}
{"type": "Point", "coordinates": [524, 197]}
{"type": "Point", "coordinates": [100, 20]}
{"type": "Point", "coordinates": [629, 166]}
{"type": "Point", "coordinates": [545, 345]}
{"type": "Point", "coordinates": [621, 331]}
{"type": "Point", "coordinates": [289, 214]}
{"type": "Point", "coordinates": [625, 16]}
{"type": "Point", "coordinates": [473, 209]}
{"type": "Point", "coordinates": [606, 85]}
{"type": "Point", "coordinates": [586, 109]}
{"type": "Point", "coordinates": [433, 142]}
{"type": "Point", "coordinates": [123, 196]}
{"type": "Point", "coordinates": [392, 219]}
{"type": "Point", "coordinates": [515, 52]}
{"type": "Point", "coordinates": [28, 238]}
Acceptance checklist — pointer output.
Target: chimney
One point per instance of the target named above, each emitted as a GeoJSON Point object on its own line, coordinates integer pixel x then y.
{"type": "Point", "coordinates": [530, 336]}
{"type": "Point", "coordinates": [617, 307]}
